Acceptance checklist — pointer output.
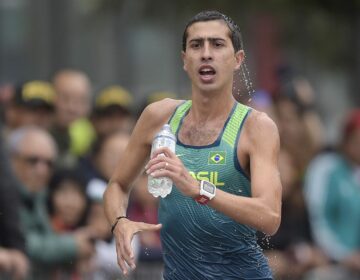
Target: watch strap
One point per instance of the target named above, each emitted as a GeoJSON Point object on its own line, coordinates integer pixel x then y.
{"type": "Point", "coordinates": [202, 199]}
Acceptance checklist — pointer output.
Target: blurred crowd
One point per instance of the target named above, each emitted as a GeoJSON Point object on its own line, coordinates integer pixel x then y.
{"type": "Point", "coordinates": [60, 142]}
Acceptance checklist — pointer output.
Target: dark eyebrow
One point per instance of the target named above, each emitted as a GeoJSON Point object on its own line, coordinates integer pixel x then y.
{"type": "Point", "coordinates": [201, 39]}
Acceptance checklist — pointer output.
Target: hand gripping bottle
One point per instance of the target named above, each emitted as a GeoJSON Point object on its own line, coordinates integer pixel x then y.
{"type": "Point", "coordinates": [162, 186]}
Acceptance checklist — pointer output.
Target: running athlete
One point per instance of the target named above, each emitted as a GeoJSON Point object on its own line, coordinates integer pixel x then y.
{"type": "Point", "coordinates": [225, 173]}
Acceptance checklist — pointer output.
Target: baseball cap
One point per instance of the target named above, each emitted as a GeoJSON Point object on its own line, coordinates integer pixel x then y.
{"type": "Point", "coordinates": [35, 94]}
{"type": "Point", "coordinates": [112, 98]}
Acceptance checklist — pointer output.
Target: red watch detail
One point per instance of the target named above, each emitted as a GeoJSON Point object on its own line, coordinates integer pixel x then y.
{"type": "Point", "coordinates": [202, 199]}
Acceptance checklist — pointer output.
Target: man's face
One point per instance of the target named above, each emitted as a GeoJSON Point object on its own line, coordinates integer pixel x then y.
{"type": "Point", "coordinates": [36, 116]}
{"type": "Point", "coordinates": [110, 154]}
{"type": "Point", "coordinates": [108, 123]}
{"type": "Point", "coordinates": [72, 98]}
{"type": "Point", "coordinates": [33, 161]}
{"type": "Point", "coordinates": [209, 58]}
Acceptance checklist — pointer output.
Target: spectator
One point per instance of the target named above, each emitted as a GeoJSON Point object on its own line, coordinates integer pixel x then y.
{"type": "Point", "coordinates": [7, 91]}
{"type": "Point", "coordinates": [33, 153]}
{"type": "Point", "coordinates": [262, 101]}
{"type": "Point", "coordinates": [291, 251]}
{"type": "Point", "coordinates": [67, 201]}
{"type": "Point", "coordinates": [31, 104]}
{"type": "Point", "coordinates": [112, 111]}
{"type": "Point", "coordinates": [72, 131]}
{"type": "Point", "coordinates": [68, 207]}
{"type": "Point", "coordinates": [107, 155]}
{"type": "Point", "coordinates": [13, 261]}
{"type": "Point", "coordinates": [332, 194]}
{"type": "Point", "coordinates": [294, 134]}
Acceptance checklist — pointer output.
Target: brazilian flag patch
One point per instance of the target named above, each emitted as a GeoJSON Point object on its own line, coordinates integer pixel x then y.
{"type": "Point", "coordinates": [217, 157]}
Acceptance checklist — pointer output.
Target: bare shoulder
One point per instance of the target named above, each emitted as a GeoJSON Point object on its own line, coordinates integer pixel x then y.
{"type": "Point", "coordinates": [138, 149]}
{"type": "Point", "coordinates": [259, 128]}
{"type": "Point", "coordinates": [154, 116]}
{"type": "Point", "coordinates": [162, 109]}
{"type": "Point", "coordinates": [159, 112]}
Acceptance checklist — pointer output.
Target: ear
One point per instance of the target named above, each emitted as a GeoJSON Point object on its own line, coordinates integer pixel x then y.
{"type": "Point", "coordinates": [239, 57]}
{"type": "Point", "coordinates": [183, 57]}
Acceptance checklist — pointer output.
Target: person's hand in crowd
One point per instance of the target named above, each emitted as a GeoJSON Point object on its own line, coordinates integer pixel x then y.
{"type": "Point", "coordinates": [353, 262]}
{"type": "Point", "coordinates": [124, 232]}
{"type": "Point", "coordinates": [14, 262]}
{"type": "Point", "coordinates": [308, 256]}
{"type": "Point", "coordinates": [20, 264]}
{"type": "Point", "coordinates": [5, 260]}
{"type": "Point", "coordinates": [84, 238]}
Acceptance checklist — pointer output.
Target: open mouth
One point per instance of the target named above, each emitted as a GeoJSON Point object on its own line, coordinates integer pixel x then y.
{"type": "Point", "coordinates": [206, 70]}
{"type": "Point", "coordinates": [207, 73]}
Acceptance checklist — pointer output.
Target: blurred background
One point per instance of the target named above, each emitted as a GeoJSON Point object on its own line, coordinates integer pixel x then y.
{"type": "Point", "coordinates": [74, 76]}
{"type": "Point", "coordinates": [137, 43]}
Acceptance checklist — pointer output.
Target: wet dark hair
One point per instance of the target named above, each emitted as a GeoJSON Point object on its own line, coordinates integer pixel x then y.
{"type": "Point", "coordinates": [235, 34]}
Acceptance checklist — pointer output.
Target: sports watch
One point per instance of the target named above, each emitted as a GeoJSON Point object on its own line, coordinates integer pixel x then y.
{"type": "Point", "coordinates": [207, 192]}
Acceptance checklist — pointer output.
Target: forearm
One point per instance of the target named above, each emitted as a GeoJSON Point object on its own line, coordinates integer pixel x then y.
{"type": "Point", "coordinates": [250, 211]}
{"type": "Point", "coordinates": [115, 201]}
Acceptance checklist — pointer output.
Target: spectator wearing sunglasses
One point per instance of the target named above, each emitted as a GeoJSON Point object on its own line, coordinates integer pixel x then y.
{"type": "Point", "coordinates": [13, 260]}
{"type": "Point", "coordinates": [33, 152]}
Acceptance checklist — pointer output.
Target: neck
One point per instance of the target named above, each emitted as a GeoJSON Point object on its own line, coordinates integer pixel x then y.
{"type": "Point", "coordinates": [211, 105]}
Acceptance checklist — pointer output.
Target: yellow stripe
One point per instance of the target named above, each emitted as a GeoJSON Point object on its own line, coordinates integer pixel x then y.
{"type": "Point", "coordinates": [179, 113]}
{"type": "Point", "coordinates": [234, 124]}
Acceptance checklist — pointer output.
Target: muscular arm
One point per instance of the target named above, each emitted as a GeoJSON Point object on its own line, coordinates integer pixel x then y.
{"type": "Point", "coordinates": [116, 196]}
{"type": "Point", "coordinates": [117, 193]}
{"type": "Point", "coordinates": [263, 209]}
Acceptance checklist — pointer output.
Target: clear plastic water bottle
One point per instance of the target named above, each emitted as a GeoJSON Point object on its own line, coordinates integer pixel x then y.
{"type": "Point", "coordinates": [162, 186]}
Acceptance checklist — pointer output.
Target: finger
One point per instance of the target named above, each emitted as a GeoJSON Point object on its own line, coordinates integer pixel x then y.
{"type": "Point", "coordinates": [163, 150]}
{"type": "Point", "coordinates": [129, 251]}
{"type": "Point", "coordinates": [126, 256]}
{"type": "Point", "coordinates": [161, 173]}
{"type": "Point", "coordinates": [120, 259]}
{"type": "Point", "coordinates": [149, 227]}
{"type": "Point", "coordinates": [163, 165]}
{"type": "Point", "coordinates": [164, 159]}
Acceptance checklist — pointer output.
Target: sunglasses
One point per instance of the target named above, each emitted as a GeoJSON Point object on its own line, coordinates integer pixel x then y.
{"type": "Point", "coordinates": [35, 160]}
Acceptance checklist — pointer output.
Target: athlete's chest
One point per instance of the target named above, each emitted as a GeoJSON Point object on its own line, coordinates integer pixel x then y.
{"type": "Point", "coordinates": [200, 134]}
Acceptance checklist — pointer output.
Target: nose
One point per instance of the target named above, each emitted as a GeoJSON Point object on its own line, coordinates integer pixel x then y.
{"type": "Point", "coordinates": [206, 53]}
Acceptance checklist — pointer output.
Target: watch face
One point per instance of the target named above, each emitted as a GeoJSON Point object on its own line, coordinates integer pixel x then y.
{"type": "Point", "coordinates": [208, 187]}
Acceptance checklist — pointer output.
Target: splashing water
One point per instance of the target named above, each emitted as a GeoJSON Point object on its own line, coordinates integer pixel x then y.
{"type": "Point", "coordinates": [265, 243]}
{"type": "Point", "coordinates": [243, 88]}
{"type": "Point", "coordinates": [147, 253]}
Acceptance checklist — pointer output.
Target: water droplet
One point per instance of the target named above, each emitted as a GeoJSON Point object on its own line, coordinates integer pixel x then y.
{"type": "Point", "coordinates": [243, 85]}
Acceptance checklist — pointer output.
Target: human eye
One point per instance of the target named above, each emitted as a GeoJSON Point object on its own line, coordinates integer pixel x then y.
{"type": "Point", "coordinates": [219, 43]}
{"type": "Point", "coordinates": [195, 45]}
